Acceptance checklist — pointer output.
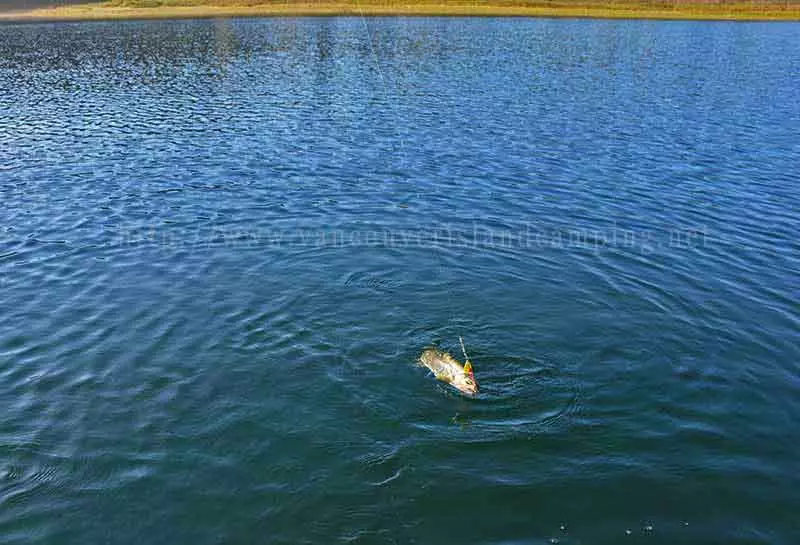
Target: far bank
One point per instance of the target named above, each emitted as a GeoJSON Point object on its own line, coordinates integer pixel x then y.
{"type": "Point", "coordinates": [190, 9]}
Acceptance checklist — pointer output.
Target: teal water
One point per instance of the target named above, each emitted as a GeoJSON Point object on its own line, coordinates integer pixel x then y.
{"type": "Point", "coordinates": [223, 244]}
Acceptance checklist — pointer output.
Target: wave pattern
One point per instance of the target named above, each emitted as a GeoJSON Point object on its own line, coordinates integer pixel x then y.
{"type": "Point", "coordinates": [223, 245]}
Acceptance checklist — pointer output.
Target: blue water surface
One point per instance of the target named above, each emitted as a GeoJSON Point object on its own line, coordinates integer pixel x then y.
{"type": "Point", "coordinates": [224, 243]}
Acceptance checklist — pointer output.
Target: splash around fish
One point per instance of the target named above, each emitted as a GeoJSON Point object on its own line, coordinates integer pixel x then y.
{"type": "Point", "coordinates": [448, 369]}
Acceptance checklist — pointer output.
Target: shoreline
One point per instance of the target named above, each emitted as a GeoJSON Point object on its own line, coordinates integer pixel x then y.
{"type": "Point", "coordinates": [113, 11]}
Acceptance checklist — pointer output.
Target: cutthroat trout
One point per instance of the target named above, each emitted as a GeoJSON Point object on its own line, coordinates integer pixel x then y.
{"type": "Point", "coordinates": [447, 369]}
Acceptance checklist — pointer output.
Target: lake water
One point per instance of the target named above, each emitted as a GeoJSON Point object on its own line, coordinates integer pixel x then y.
{"type": "Point", "coordinates": [223, 245]}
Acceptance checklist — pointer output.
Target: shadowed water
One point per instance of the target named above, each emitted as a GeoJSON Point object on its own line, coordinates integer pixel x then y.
{"type": "Point", "coordinates": [223, 244]}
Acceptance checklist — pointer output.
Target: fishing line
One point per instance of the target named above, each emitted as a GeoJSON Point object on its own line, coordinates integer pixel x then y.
{"type": "Point", "coordinates": [401, 143]}
{"type": "Point", "coordinates": [386, 94]}
{"type": "Point", "coordinates": [464, 350]}
{"type": "Point", "coordinates": [448, 283]}
{"type": "Point", "coordinates": [372, 47]}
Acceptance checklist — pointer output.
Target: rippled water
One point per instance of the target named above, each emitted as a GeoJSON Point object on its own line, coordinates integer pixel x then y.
{"type": "Point", "coordinates": [223, 244]}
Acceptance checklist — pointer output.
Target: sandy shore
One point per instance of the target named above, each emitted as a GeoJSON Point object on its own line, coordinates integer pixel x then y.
{"type": "Point", "coordinates": [173, 10]}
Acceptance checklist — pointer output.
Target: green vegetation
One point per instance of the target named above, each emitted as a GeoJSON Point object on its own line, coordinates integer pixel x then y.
{"type": "Point", "coordinates": [652, 9]}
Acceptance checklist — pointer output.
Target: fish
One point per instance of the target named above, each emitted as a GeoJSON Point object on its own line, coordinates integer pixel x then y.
{"type": "Point", "coordinates": [448, 369]}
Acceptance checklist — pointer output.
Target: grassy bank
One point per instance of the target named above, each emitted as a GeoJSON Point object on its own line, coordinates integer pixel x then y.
{"type": "Point", "coordinates": [168, 9]}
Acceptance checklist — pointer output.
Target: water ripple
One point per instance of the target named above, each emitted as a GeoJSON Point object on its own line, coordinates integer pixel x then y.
{"type": "Point", "coordinates": [224, 244]}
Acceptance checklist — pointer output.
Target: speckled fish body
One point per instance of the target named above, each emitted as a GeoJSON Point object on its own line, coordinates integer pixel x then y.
{"type": "Point", "coordinates": [447, 369]}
